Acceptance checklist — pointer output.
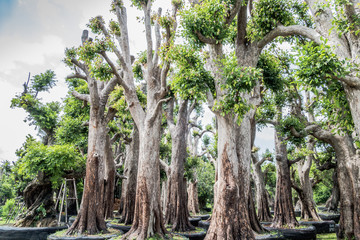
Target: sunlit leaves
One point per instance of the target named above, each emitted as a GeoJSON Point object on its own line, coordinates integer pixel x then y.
{"type": "Point", "coordinates": [51, 160]}
{"type": "Point", "coordinates": [190, 80]}
{"type": "Point", "coordinates": [238, 80]}
{"type": "Point", "coordinates": [208, 19]}
{"type": "Point", "coordinates": [267, 15]}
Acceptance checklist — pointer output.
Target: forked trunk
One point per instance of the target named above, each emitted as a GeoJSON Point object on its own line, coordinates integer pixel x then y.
{"type": "Point", "coordinates": [128, 192]}
{"type": "Point", "coordinates": [230, 219]}
{"type": "Point", "coordinates": [148, 217]}
{"type": "Point", "coordinates": [348, 177]}
{"type": "Point", "coordinates": [193, 199]}
{"type": "Point", "coordinates": [284, 213]}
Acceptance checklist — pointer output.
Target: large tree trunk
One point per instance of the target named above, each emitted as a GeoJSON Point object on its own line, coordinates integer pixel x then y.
{"type": "Point", "coordinates": [193, 199]}
{"type": "Point", "coordinates": [284, 213]}
{"type": "Point", "coordinates": [148, 218]}
{"type": "Point", "coordinates": [333, 202]}
{"type": "Point", "coordinates": [346, 170]}
{"type": "Point", "coordinates": [91, 215]}
{"type": "Point", "coordinates": [110, 173]}
{"type": "Point", "coordinates": [262, 201]}
{"type": "Point", "coordinates": [308, 207]}
{"type": "Point", "coordinates": [128, 192]}
{"type": "Point", "coordinates": [177, 212]}
{"type": "Point", "coordinates": [38, 192]}
{"type": "Point", "coordinates": [230, 219]}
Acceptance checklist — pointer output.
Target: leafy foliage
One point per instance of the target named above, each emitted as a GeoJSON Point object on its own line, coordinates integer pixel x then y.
{"type": "Point", "coordinates": [207, 19]}
{"type": "Point", "coordinates": [190, 80]}
{"type": "Point", "coordinates": [51, 160]}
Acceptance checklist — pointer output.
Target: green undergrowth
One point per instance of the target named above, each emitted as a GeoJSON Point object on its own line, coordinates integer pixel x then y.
{"type": "Point", "coordinates": [157, 237]}
{"type": "Point", "coordinates": [116, 222]}
{"type": "Point", "coordinates": [326, 236]}
{"type": "Point", "coordinates": [197, 230]}
{"type": "Point", "coordinates": [110, 231]}
{"type": "Point", "coordinates": [3, 222]}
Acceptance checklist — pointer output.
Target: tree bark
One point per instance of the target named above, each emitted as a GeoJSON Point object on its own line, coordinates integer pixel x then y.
{"type": "Point", "coordinates": [128, 191]}
{"type": "Point", "coordinates": [110, 173]}
{"type": "Point", "coordinates": [333, 202]}
{"type": "Point", "coordinates": [148, 217]}
{"type": "Point", "coordinates": [38, 192]}
{"type": "Point", "coordinates": [262, 201]}
{"type": "Point", "coordinates": [176, 212]}
{"type": "Point", "coordinates": [308, 207]}
{"type": "Point", "coordinates": [91, 215]}
{"type": "Point", "coordinates": [284, 213]}
{"type": "Point", "coordinates": [347, 158]}
{"type": "Point", "coordinates": [230, 219]}
{"type": "Point", "coordinates": [193, 199]}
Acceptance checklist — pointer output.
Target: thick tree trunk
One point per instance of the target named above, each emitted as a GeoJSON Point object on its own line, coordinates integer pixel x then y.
{"type": "Point", "coordinates": [128, 192]}
{"type": "Point", "coordinates": [148, 218]}
{"type": "Point", "coordinates": [91, 215]}
{"type": "Point", "coordinates": [348, 177]}
{"type": "Point", "coordinates": [346, 202]}
{"type": "Point", "coordinates": [308, 207]}
{"type": "Point", "coordinates": [262, 201]}
{"type": "Point", "coordinates": [230, 219]}
{"type": "Point", "coordinates": [110, 173]}
{"type": "Point", "coordinates": [177, 213]}
{"type": "Point", "coordinates": [284, 213]}
{"type": "Point", "coordinates": [38, 192]}
{"type": "Point", "coordinates": [193, 199]}
{"type": "Point", "coordinates": [333, 202]}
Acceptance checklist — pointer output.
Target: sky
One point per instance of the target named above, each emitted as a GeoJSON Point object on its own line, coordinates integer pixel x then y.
{"type": "Point", "coordinates": [33, 37]}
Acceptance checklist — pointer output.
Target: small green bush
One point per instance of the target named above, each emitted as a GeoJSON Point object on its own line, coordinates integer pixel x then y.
{"type": "Point", "coordinates": [5, 210]}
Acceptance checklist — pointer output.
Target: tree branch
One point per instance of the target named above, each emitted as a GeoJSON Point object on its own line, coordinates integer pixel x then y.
{"type": "Point", "coordinates": [165, 167]}
{"type": "Point", "coordinates": [283, 31]}
{"type": "Point", "coordinates": [82, 97]}
{"type": "Point", "coordinates": [113, 82]}
{"type": "Point", "coordinates": [110, 114]}
{"type": "Point", "coordinates": [294, 161]}
{"type": "Point", "coordinates": [76, 75]}
{"type": "Point", "coordinates": [156, 109]}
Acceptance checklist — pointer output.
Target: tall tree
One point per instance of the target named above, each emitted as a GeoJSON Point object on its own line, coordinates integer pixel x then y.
{"type": "Point", "coordinates": [148, 219]}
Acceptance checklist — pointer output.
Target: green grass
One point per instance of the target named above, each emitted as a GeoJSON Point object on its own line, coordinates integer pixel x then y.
{"type": "Point", "coordinates": [197, 230]}
{"type": "Point", "coordinates": [326, 236]}
{"type": "Point", "coordinates": [3, 222]}
{"type": "Point", "coordinates": [111, 231]}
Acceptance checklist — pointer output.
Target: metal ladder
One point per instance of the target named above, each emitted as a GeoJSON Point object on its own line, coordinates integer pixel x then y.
{"type": "Point", "coordinates": [63, 198]}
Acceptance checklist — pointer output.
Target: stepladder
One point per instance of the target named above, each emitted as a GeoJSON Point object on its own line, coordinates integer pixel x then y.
{"type": "Point", "coordinates": [62, 199]}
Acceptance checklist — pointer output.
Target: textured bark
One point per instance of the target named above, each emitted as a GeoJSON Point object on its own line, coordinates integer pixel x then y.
{"type": "Point", "coordinates": [177, 213]}
{"type": "Point", "coordinates": [308, 207]}
{"type": "Point", "coordinates": [110, 173]}
{"type": "Point", "coordinates": [229, 219]}
{"type": "Point", "coordinates": [333, 202]}
{"type": "Point", "coordinates": [193, 199]}
{"type": "Point", "coordinates": [128, 191]}
{"type": "Point", "coordinates": [347, 161]}
{"type": "Point", "coordinates": [262, 201]}
{"type": "Point", "coordinates": [284, 213]}
{"type": "Point", "coordinates": [38, 192]}
{"type": "Point", "coordinates": [91, 215]}
{"type": "Point", "coordinates": [148, 217]}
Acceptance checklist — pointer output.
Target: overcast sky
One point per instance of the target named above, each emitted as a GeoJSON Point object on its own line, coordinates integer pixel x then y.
{"type": "Point", "coordinates": [33, 37]}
